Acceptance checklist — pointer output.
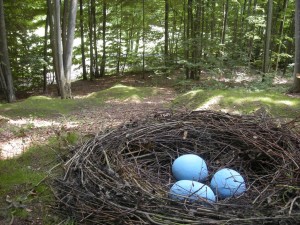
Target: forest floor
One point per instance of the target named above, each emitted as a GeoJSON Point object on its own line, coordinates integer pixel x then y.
{"type": "Point", "coordinates": [18, 133]}
{"type": "Point", "coordinates": [26, 126]}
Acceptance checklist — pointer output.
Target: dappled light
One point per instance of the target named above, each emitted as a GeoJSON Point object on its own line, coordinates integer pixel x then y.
{"type": "Point", "coordinates": [240, 101]}
{"type": "Point", "coordinates": [214, 101]}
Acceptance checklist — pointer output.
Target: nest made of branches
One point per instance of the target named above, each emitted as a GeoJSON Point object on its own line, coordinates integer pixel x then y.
{"type": "Point", "coordinates": [123, 176]}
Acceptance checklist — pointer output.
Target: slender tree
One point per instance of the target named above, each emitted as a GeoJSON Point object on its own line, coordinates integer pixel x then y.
{"type": "Point", "coordinates": [166, 32]}
{"type": "Point", "coordinates": [94, 33]}
{"type": "Point", "coordinates": [266, 61]}
{"type": "Point", "coordinates": [92, 63]}
{"type": "Point", "coordinates": [6, 80]}
{"type": "Point", "coordinates": [225, 22]}
{"type": "Point", "coordinates": [103, 61]}
{"type": "Point", "coordinates": [144, 39]}
{"type": "Point", "coordinates": [281, 28]}
{"type": "Point", "coordinates": [296, 84]}
{"type": "Point", "coordinates": [84, 73]}
{"type": "Point", "coordinates": [45, 52]}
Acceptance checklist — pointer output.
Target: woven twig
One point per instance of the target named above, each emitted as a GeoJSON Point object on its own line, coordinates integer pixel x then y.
{"type": "Point", "coordinates": [123, 176]}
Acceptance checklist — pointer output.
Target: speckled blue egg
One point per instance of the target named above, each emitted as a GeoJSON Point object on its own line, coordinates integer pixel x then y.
{"type": "Point", "coordinates": [189, 167]}
{"type": "Point", "coordinates": [192, 191]}
{"type": "Point", "coordinates": [227, 183]}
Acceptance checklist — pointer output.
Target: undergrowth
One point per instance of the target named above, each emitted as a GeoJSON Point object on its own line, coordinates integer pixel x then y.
{"type": "Point", "coordinates": [25, 197]}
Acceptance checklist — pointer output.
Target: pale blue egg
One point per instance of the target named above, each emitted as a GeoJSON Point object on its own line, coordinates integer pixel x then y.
{"type": "Point", "coordinates": [189, 167]}
{"type": "Point", "coordinates": [192, 191]}
{"type": "Point", "coordinates": [228, 183]}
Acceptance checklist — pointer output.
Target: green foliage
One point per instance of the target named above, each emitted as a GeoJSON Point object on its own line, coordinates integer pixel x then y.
{"type": "Point", "coordinates": [243, 46]}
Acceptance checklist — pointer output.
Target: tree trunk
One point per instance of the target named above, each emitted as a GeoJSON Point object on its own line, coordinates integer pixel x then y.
{"type": "Point", "coordinates": [266, 61]}
{"type": "Point", "coordinates": [69, 47]}
{"type": "Point", "coordinates": [45, 52]}
{"type": "Point", "coordinates": [187, 40]}
{"type": "Point", "coordinates": [58, 49]}
{"type": "Point", "coordinates": [63, 61]}
{"type": "Point", "coordinates": [285, 4]}
{"type": "Point", "coordinates": [225, 22]}
{"type": "Point", "coordinates": [92, 68]}
{"type": "Point", "coordinates": [143, 75]}
{"type": "Point", "coordinates": [93, 13]}
{"type": "Point", "coordinates": [84, 74]}
{"type": "Point", "coordinates": [52, 43]}
{"type": "Point", "coordinates": [251, 42]}
{"type": "Point", "coordinates": [64, 28]}
{"type": "Point", "coordinates": [5, 70]}
{"type": "Point", "coordinates": [213, 20]}
{"type": "Point", "coordinates": [120, 41]}
{"type": "Point", "coordinates": [296, 84]}
{"type": "Point", "coordinates": [166, 32]}
{"type": "Point", "coordinates": [103, 62]}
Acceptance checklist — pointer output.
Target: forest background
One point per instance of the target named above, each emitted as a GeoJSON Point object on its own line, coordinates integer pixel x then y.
{"type": "Point", "coordinates": [117, 37]}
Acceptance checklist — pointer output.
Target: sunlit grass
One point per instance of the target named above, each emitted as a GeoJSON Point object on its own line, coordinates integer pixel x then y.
{"type": "Point", "coordinates": [240, 101]}
{"type": "Point", "coordinates": [41, 106]}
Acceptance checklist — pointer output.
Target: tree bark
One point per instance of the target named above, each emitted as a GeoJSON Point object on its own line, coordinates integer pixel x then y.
{"type": "Point", "coordinates": [5, 70]}
{"type": "Point", "coordinates": [266, 61]}
{"type": "Point", "coordinates": [92, 68]}
{"type": "Point", "coordinates": [84, 73]}
{"type": "Point", "coordinates": [69, 47]}
{"type": "Point", "coordinates": [64, 28]}
{"type": "Point", "coordinates": [296, 83]}
{"type": "Point", "coordinates": [143, 75]}
{"type": "Point", "coordinates": [50, 7]}
{"type": "Point", "coordinates": [103, 61]}
{"type": "Point", "coordinates": [166, 32]}
{"type": "Point", "coordinates": [225, 22]}
{"type": "Point", "coordinates": [120, 41]}
{"type": "Point", "coordinates": [45, 52]}
{"type": "Point", "coordinates": [63, 61]}
{"type": "Point", "coordinates": [285, 4]}
{"type": "Point", "coordinates": [58, 49]}
{"type": "Point", "coordinates": [93, 13]}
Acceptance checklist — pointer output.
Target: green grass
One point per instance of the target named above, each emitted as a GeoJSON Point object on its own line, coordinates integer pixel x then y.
{"type": "Point", "coordinates": [41, 106]}
{"type": "Point", "coordinates": [240, 101]}
{"type": "Point", "coordinates": [21, 190]}
{"type": "Point", "coordinates": [123, 93]}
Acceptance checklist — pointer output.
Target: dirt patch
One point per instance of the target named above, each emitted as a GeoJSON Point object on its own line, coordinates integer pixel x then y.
{"type": "Point", "coordinates": [17, 135]}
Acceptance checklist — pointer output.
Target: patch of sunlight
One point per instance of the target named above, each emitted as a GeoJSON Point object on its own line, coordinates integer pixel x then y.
{"type": "Point", "coordinates": [286, 102]}
{"type": "Point", "coordinates": [251, 99]}
{"type": "Point", "coordinates": [39, 97]}
{"type": "Point", "coordinates": [131, 99]}
{"type": "Point", "coordinates": [14, 147]}
{"type": "Point", "coordinates": [211, 102]}
{"type": "Point", "coordinates": [280, 80]}
{"type": "Point", "coordinates": [122, 86]}
{"type": "Point", "coordinates": [193, 93]}
{"type": "Point", "coordinates": [17, 146]}
{"type": "Point", "coordinates": [33, 122]}
{"type": "Point", "coordinates": [262, 99]}
{"type": "Point", "coordinates": [231, 111]}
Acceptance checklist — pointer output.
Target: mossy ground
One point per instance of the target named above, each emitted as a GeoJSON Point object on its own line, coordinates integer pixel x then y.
{"type": "Point", "coordinates": [43, 107]}
{"type": "Point", "coordinates": [240, 101]}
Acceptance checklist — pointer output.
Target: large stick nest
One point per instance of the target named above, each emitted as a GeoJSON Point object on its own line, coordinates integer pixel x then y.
{"type": "Point", "coordinates": [123, 176]}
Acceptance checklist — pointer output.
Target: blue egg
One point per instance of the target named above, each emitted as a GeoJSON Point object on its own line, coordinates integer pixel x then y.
{"type": "Point", "coordinates": [192, 191]}
{"type": "Point", "coordinates": [189, 167]}
{"type": "Point", "coordinates": [227, 183]}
